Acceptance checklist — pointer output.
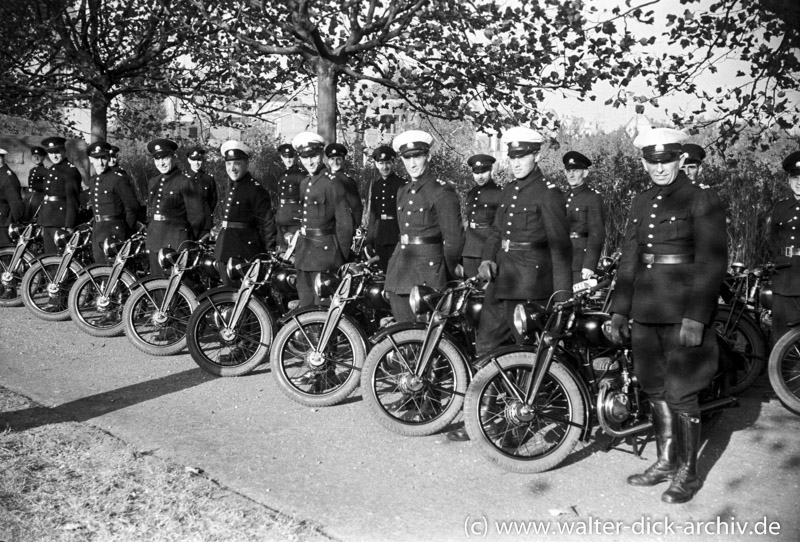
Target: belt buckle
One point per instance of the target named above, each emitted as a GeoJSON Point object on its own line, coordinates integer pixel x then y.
{"type": "Point", "coordinates": [158, 216]}
{"type": "Point", "coordinates": [505, 244]}
{"type": "Point", "coordinates": [788, 251]}
{"type": "Point", "coordinates": [404, 239]}
{"type": "Point", "coordinates": [384, 217]}
{"type": "Point", "coordinates": [473, 225]}
{"type": "Point", "coordinates": [302, 230]}
{"type": "Point", "coordinates": [648, 258]}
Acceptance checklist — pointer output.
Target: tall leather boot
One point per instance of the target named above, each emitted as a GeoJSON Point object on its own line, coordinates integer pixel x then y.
{"type": "Point", "coordinates": [686, 482]}
{"type": "Point", "coordinates": [666, 465]}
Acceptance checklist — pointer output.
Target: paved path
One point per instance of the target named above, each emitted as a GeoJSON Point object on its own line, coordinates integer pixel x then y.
{"type": "Point", "coordinates": [340, 469]}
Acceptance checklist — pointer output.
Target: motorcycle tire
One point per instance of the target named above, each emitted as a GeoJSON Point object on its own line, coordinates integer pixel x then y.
{"type": "Point", "coordinates": [438, 397]}
{"type": "Point", "coordinates": [784, 370]}
{"type": "Point", "coordinates": [339, 373]}
{"type": "Point", "coordinates": [150, 331]}
{"type": "Point", "coordinates": [241, 353]}
{"type": "Point", "coordinates": [34, 288]}
{"type": "Point", "coordinates": [6, 255]}
{"type": "Point", "coordinates": [83, 308]}
{"type": "Point", "coordinates": [748, 346]}
{"type": "Point", "coordinates": [529, 443]}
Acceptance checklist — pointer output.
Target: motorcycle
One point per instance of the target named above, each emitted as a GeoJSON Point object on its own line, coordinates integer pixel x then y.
{"type": "Point", "coordinates": [15, 261]}
{"type": "Point", "coordinates": [783, 369]}
{"type": "Point", "coordinates": [231, 330]}
{"type": "Point", "coordinates": [96, 299]}
{"type": "Point", "coordinates": [416, 374]}
{"type": "Point", "coordinates": [156, 314]}
{"type": "Point", "coordinates": [527, 407]}
{"type": "Point", "coordinates": [47, 282]}
{"type": "Point", "coordinates": [319, 351]}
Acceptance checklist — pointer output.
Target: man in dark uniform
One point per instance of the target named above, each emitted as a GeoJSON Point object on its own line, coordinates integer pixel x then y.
{"type": "Point", "coordinates": [175, 205]}
{"type": "Point", "coordinates": [480, 207]}
{"type": "Point", "coordinates": [206, 185]}
{"type": "Point", "coordinates": [383, 232]}
{"type": "Point", "coordinates": [336, 163]}
{"type": "Point", "coordinates": [62, 189]}
{"type": "Point", "coordinates": [785, 244]}
{"type": "Point", "coordinates": [34, 193]}
{"type": "Point", "coordinates": [429, 216]}
{"type": "Point", "coordinates": [587, 228]}
{"type": "Point", "coordinates": [287, 203]}
{"type": "Point", "coordinates": [12, 208]}
{"type": "Point", "coordinates": [248, 223]}
{"type": "Point", "coordinates": [113, 201]}
{"type": "Point", "coordinates": [327, 227]}
{"type": "Point", "coordinates": [693, 164]}
{"type": "Point", "coordinates": [674, 258]}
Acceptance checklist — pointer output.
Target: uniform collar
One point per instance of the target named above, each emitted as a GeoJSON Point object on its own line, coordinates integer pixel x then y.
{"type": "Point", "coordinates": [680, 181]}
{"type": "Point", "coordinates": [578, 189]}
{"type": "Point", "coordinates": [422, 181]}
{"type": "Point", "coordinates": [535, 175]}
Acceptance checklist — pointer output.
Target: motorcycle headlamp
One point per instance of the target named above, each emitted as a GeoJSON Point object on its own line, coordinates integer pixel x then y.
{"type": "Point", "coordinates": [14, 232]}
{"type": "Point", "coordinates": [236, 268]}
{"type": "Point", "coordinates": [167, 257]}
{"type": "Point", "coordinates": [61, 236]}
{"type": "Point", "coordinates": [422, 299]}
{"type": "Point", "coordinates": [325, 284]}
{"type": "Point", "coordinates": [529, 318]}
{"type": "Point", "coordinates": [765, 296]}
{"type": "Point", "coordinates": [111, 246]}
{"type": "Point", "coordinates": [209, 266]}
{"type": "Point", "coordinates": [284, 280]}
{"type": "Point", "coordinates": [737, 267]}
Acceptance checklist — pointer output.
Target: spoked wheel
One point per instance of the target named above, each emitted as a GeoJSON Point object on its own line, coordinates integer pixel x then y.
{"type": "Point", "coordinates": [223, 351]}
{"type": "Point", "coordinates": [94, 313]}
{"type": "Point", "coordinates": [44, 298]}
{"type": "Point", "coordinates": [10, 287]}
{"type": "Point", "coordinates": [151, 330]}
{"type": "Point", "coordinates": [313, 377]}
{"type": "Point", "coordinates": [404, 402]}
{"type": "Point", "coordinates": [516, 436]}
{"type": "Point", "coordinates": [784, 370]}
{"type": "Point", "coordinates": [748, 346]}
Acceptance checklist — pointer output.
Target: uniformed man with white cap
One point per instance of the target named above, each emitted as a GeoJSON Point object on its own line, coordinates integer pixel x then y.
{"type": "Point", "coordinates": [33, 195]}
{"type": "Point", "coordinates": [286, 202]}
{"type": "Point", "coordinates": [62, 192]}
{"type": "Point", "coordinates": [674, 258]}
{"type": "Point", "coordinates": [175, 205]}
{"type": "Point", "coordinates": [429, 217]}
{"type": "Point", "coordinates": [785, 244]}
{"type": "Point", "coordinates": [12, 208]}
{"type": "Point", "coordinates": [336, 152]}
{"type": "Point", "coordinates": [383, 232]}
{"type": "Point", "coordinates": [248, 223]}
{"type": "Point", "coordinates": [480, 205]}
{"type": "Point", "coordinates": [693, 163]}
{"type": "Point", "coordinates": [205, 184]}
{"type": "Point", "coordinates": [587, 228]}
{"type": "Point", "coordinates": [327, 225]}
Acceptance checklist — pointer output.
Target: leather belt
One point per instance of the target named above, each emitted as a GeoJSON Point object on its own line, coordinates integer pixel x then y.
{"type": "Point", "coordinates": [406, 239]}
{"type": "Point", "coordinates": [316, 232]}
{"type": "Point", "coordinates": [387, 217]}
{"type": "Point", "coordinates": [55, 198]}
{"type": "Point", "coordinates": [513, 245]}
{"type": "Point", "coordinates": [33, 190]}
{"type": "Point", "coordinates": [162, 218]}
{"type": "Point", "coordinates": [107, 218]}
{"type": "Point", "coordinates": [648, 258]}
{"type": "Point", "coordinates": [576, 235]}
{"type": "Point", "coordinates": [240, 225]}
{"type": "Point", "coordinates": [479, 225]}
{"type": "Point", "coordinates": [791, 251]}
{"type": "Point", "coordinates": [289, 200]}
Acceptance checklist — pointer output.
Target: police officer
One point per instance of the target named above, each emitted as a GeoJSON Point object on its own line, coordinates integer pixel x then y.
{"type": "Point", "coordinates": [481, 205]}
{"type": "Point", "coordinates": [175, 205]}
{"type": "Point", "coordinates": [587, 229]}
{"type": "Point", "coordinates": [12, 208]}
{"type": "Point", "coordinates": [674, 258]}
{"type": "Point", "coordinates": [34, 193]}
{"type": "Point", "coordinates": [206, 185]}
{"type": "Point", "coordinates": [248, 223]}
{"type": "Point", "coordinates": [287, 203]}
{"type": "Point", "coordinates": [693, 164]}
{"type": "Point", "coordinates": [429, 217]}
{"type": "Point", "coordinates": [327, 224]}
{"type": "Point", "coordinates": [785, 244]}
{"type": "Point", "coordinates": [62, 189]}
{"type": "Point", "coordinates": [335, 153]}
{"type": "Point", "coordinates": [383, 231]}
{"type": "Point", "coordinates": [113, 201]}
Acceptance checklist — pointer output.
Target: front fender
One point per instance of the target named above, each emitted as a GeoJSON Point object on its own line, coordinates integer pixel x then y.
{"type": "Point", "coordinates": [92, 267]}
{"type": "Point", "coordinates": [217, 290]}
{"type": "Point", "coordinates": [395, 328]}
{"type": "Point", "coordinates": [301, 310]}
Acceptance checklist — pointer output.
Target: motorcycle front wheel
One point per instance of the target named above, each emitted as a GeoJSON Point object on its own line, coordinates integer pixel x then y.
{"type": "Point", "coordinates": [229, 352]}
{"type": "Point", "coordinates": [749, 348]}
{"type": "Point", "coordinates": [94, 313]}
{"type": "Point", "coordinates": [519, 437]}
{"type": "Point", "coordinates": [149, 329]}
{"type": "Point", "coordinates": [48, 305]}
{"type": "Point", "coordinates": [784, 370]}
{"type": "Point", "coordinates": [408, 404]}
{"type": "Point", "coordinates": [315, 378]}
{"type": "Point", "coordinates": [10, 295]}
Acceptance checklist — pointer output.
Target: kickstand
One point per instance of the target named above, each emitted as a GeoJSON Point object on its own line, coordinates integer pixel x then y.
{"type": "Point", "coordinates": [637, 444]}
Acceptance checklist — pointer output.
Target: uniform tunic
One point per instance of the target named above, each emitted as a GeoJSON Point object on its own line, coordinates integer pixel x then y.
{"type": "Point", "coordinates": [685, 223]}
{"type": "Point", "coordinates": [353, 196]}
{"type": "Point", "coordinates": [481, 205]}
{"type": "Point", "coordinates": [383, 231]}
{"type": "Point", "coordinates": [784, 238]}
{"type": "Point", "coordinates": [207, 187]}
{"type": "Point", "coordinates": [587, 229]}
{"type": "Point", "coordinates": [287, 203]}
{"type": "Point", "coordinates": [114, 208]}
{"type": "Point", "coordinates": [62, 189]}
{"type": "Point", "coordinates": [34, 194]}
{"type": "Point", "coordinates": [175, 212]}
{"type": "Point", "coordinates": [12, 208]}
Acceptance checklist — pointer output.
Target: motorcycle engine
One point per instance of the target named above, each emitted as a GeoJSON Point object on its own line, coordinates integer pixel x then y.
{"type": "Point", "coordinates": [614, 399]}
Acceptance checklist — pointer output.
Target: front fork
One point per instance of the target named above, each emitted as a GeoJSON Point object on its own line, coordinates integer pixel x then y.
{"type": "Point", "coordinates": [55, 283]}
{"type": "Point", "coordinates": [174, 281]}
{"type": "Point", "coordinates": [9, 272]}
{"type": "Point", "coordinates": [249, 283]}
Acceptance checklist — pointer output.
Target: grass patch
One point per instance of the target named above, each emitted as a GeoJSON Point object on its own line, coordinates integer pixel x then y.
{"type": "Point", "coordinates": [61, 480]}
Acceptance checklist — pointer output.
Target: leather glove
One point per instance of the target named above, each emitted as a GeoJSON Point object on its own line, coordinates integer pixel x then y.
{"type": "Point", "coordinates": [459, 271]}
{"type": "Point", "coordinates": [586, 274]}
{"type": "Point", "coordinates": [620, 330]}
{"type": "Point", "coordinates": [691, 333]}
{"type": "Point", "coordinates": [487, 270]}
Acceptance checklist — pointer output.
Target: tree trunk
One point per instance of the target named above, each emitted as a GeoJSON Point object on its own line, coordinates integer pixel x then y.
{"type": "Point", "coordinates": [327, 79]}
{"type": "Point", "coordinates": [99, 119]}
